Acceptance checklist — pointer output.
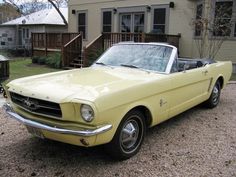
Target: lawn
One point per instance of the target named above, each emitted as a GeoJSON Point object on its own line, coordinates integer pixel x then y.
{"type": "Point", "coordinates": [24, 67]}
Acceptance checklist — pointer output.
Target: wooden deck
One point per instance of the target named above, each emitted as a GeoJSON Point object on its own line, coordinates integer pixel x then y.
{"type": "Point", "coordinates": [44, 43]}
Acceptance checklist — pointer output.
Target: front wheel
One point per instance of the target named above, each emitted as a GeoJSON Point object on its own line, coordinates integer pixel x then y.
{"type": "Point", "coordinates": [128, 137]}
{"type": "Point", "coordinates": [214, 99]}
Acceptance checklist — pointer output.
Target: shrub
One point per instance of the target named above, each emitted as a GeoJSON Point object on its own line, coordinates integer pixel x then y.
{"type": "Point", "coordinates": [42, 60]}
{"type": "Point", "coordinates": [35, 59]}
{"type": "Point", "coordinates": [54, 60]}
{"type": "Point", "coordinates": [93, 55]}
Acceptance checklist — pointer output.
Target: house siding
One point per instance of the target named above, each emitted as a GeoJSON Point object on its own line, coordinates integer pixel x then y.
{"type": "Point", "coordinates": [7, 37]}
{"type": "Point", "coordinates": [180, 18]}
{"type": "Point", "coordinates": [11, 32]}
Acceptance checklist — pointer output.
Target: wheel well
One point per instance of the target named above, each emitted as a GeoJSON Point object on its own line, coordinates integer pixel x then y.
{"type": "Point", "coordinates": [221, 80]}
{"type": "Point", "coordinates": [146, 112]}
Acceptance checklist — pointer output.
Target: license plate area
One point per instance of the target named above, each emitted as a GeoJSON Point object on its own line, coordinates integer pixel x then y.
{"type": "Point", "coordinates": [35, 131]}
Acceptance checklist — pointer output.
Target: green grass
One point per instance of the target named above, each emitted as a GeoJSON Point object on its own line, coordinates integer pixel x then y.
{"type": "Point", "coordinates": [24, 67]}
{"type": "Point", "coordinates": [233, 77]}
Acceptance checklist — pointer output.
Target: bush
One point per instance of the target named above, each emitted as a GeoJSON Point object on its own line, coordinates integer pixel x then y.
{"type": "Point", "coordinates": [42, 60]}
{"type": "Point", "coordinates": [19, 52]}
{"type": "Point", "coordinates": [93, 55]}
{"type": "Point", "coordinates": [54, 60]}
{"type": "Point", "coordinates": [35, 59]}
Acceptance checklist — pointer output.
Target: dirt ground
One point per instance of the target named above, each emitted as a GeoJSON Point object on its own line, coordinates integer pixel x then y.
{"type": "Point", "coordinates": [199, 142]}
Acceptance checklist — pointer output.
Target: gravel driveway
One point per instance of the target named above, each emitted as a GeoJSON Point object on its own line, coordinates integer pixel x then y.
{"type": "Point", "coordinates": [199, 142]}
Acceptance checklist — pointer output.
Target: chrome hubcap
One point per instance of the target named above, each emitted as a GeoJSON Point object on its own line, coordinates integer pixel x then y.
{"type": "Point", "coordinates": [129, 134]}
{"type": "Point", "coordinates": [215, 95]}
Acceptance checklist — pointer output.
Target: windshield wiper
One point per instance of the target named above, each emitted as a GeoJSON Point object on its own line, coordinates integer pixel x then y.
{"type": "Point", "coordinates": [133, 66]}
{"type": "Point", "coordinates": [100, 63]}
{"type": "Point", "coordinates": [129, 66]}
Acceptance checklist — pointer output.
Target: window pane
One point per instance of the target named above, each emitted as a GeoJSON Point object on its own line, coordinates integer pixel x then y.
{"type": "Point", "coordinates": [82, 29]}
{"type": "Point", "coordinates": [160, 29]}
{"type": "Point", "coordinates": [223, 9]}
{"type": "Point", "coordinates": [139, 19]}
{"type": "Point", "coordinates": [199, 11]}
{"type": "Point", "coordinates": [82, 24]}
{"type": "Point", "coordinates": [223, 15]}
{"type": "Point", "coordinates": [107, 21]}
{"type": "Point", "coordinates": [159, 16]}
{"type": "Point", "coordinates": [198, 21]}
{"type": "Point", "coordinates": [107, 18]}
{"type": "Point", "coordinates": [107, 29]}
{"type": "Point", "coordinates": [125, 23]}
{"type": "Point", "coordinates": [82, 19]}
{"type": "Point", "coordinates": [139, 29]}
{"type": "Point", "coordinates": [139, 23]}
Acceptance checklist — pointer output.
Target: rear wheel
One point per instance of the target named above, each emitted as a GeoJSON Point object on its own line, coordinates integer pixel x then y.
{"type": "Point", "coordinates": [128, 137]}
{"type": "Point", "coordinates": [214, 99]}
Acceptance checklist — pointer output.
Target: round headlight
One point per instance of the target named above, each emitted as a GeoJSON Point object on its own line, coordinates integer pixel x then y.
{"type": "Point", "coordinates": [87, 112]}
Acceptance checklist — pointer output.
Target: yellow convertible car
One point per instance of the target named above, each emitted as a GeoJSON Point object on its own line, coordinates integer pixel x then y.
{"type": "Point", "coordinates": [131, 87]}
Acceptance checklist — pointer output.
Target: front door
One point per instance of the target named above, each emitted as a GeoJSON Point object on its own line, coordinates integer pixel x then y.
{"type": "Point", "coordinates": [132, 23]}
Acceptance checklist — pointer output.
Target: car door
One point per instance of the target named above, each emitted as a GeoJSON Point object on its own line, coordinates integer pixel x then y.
{"type": "Point", "coordinates": [189, 88]}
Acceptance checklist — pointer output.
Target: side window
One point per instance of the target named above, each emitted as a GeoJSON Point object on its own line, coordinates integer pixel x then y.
{"type": "Point", "coordinates": [107, 21]}
{"type": "Point", "coordinates": [175, 67]}
{"type": "Point", "coordinates": [222, 21]}
{"type": "Point", "coordinates": [159, 20]}
{"type": "Point", "coordinates": [198, 22]}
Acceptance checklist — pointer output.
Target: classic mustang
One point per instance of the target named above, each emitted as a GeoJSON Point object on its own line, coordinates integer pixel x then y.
{"type": "Point", "coordinates": [131, 87]}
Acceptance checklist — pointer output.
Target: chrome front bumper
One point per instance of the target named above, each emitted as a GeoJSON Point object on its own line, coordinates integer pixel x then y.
{"type": "Point", "coordinates": [88, 132]}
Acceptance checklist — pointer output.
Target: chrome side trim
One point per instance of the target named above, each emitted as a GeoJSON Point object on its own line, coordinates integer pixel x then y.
{"type": "Point", "coordinates": [88, 132]}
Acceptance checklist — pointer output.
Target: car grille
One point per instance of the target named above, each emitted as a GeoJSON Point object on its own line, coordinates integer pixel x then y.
{"type": "Point", "coordinates": [37, 106]}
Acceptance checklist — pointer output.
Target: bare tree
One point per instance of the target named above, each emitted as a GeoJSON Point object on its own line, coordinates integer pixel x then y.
{"type": "Point", "coordinates": [56, 5]}
{"type": "Point", "coordinates": [60, 3]}
{"type": "Point", "coordinates": [212, 27]}
{"type": "Point", "coordinates": [26, 7]}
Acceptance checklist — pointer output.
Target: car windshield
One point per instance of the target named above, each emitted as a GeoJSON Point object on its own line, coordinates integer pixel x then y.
{"type": "Point", "coordinates": [147, 57]}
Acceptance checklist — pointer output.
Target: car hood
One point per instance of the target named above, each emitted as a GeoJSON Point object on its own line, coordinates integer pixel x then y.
{"type": "Point", "coordinates": [83, 84]}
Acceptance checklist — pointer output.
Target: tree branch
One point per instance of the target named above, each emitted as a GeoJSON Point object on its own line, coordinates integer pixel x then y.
{"type": "Point", "coordinates": [59, 12]}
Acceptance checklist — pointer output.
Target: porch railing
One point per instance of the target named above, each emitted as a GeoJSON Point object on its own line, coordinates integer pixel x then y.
{"type": "Point", "coordinates": [72, 51]}
{"type": "Point", "coordinates": [93, 50]}
{"type": "Point", "coordinates": [50, 41]}
{"type": "Point", "coordinates": [106, 40]}
{"type": "Point", "coordinates": [112, 38]}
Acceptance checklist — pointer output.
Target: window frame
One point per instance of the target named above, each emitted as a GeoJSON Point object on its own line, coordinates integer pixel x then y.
{"type": "Point", "coordinates": [212, 16]}
{"type": "Point", "coordinates": [167, 16]}
{"type": "Point", "coordinates": [85, 36]}
{"type": "Point", "coordinates": [112, 18]}
{"type": "Point", "coordinates": [214, 13]}
{"type": "Point", "coordinates": [233, 17]}
{"type": "Point", "coordinates": [132, 10]}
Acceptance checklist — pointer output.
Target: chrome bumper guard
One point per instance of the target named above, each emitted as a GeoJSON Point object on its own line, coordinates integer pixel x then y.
{"type": "Point", "coordinates": [89, 132]}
